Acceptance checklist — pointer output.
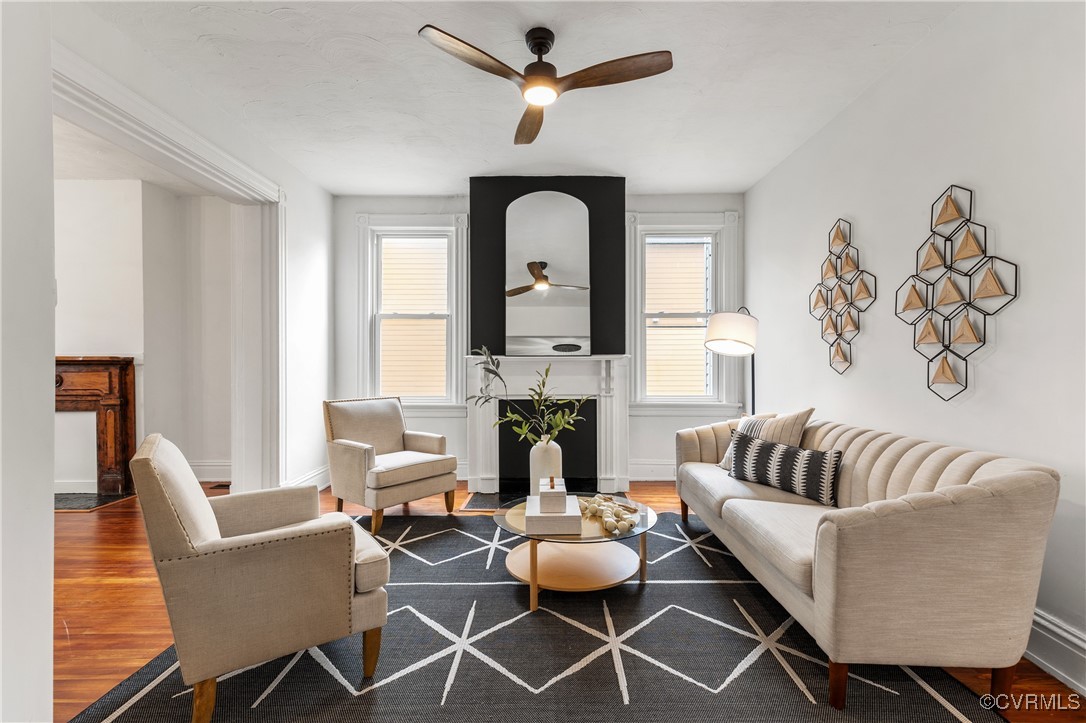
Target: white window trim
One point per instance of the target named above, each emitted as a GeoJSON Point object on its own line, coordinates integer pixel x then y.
{"type": "Point", "coordinates": [371, 228]}
{"type": "Point", "coordinates": [727, 293]}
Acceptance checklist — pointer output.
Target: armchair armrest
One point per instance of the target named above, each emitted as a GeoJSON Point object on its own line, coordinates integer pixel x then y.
{"type": "Point", "coordinates": [247, 512]}
{"type": "Point", "coordinates": [424, 442]}
{"type": "Point", "coordinates": [268, 593]}
{"type": "Point", "coordinates": [348, 464]}
{"type": "Point", "coordinates": [945, 578]}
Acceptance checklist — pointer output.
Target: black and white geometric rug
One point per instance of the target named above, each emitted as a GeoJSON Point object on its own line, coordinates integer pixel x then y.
{"type": "Point", "coordinates": [701, 641]}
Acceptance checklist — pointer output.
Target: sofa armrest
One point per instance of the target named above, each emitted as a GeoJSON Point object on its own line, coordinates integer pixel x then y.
{"type": "Point", "coordinates": [245, 512]}
{"type": "Point", "coordinates": [241, 601]}
{"type": "Point", "coordinates": [424, 442]}
{"type": "Point", "coordinates": [944, 578]}
{"type": "Point", "coordinates": [706, 443]}
{"type": "Point", "coordinates": [348, 464]}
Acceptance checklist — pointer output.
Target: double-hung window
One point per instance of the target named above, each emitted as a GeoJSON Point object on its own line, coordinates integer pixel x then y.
{"type": "Point", "coordinates": [677, 291]}
{"type": "Point", "coordinates": [412, 324]}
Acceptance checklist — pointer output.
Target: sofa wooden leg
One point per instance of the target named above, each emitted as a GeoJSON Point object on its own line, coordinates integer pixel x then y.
{"type": "Point", "coordinates": [1002, 680]}
{"type": "Point", "coordinates": [685, 510]}
{"type": "Point", "coordinates": [371, 649]}
{"type": "Point", "coordinates": [450, 500]}
{"type": "Point", "coordinates": [838, 684]}
{"type": "Point", "coordinates": [339, 504]}
{"type": "Point", "coordinates": [376, 520]}
{"type": "Point", "coordinates": [203, 701]}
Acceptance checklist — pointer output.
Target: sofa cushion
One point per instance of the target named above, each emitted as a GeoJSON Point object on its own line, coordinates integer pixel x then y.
{"type": "Point", "coordinates": [783, 533]}
{"type": "Point", "coordinates": [396, 468]}
{"type": "Point", "coordinates": [370, 562]}
{"type": "Point", "coordinates": [805, 472]}
{"type": "Point", "coordinates": [781, 429]}
{"type": "Point", "coordinates": [709, 486]}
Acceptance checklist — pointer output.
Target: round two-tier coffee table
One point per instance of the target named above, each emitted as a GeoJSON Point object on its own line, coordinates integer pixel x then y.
{"type": "Point", "coordinates": [592, 560]}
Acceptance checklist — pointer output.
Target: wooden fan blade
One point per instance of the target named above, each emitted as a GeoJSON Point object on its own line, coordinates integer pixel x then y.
{"type": "Point", "coordinates": [468, 53]}
{"type": "Point", "coordinates": [529, 125]}
{"type": "Point", "coordinates": [519, 290]}
{"type": "Point", "coordinates": [621, 70]}
{"type": "Point", "coordinates": [536, 270]}
{"type": "Point", "coordinates": [570, 286]}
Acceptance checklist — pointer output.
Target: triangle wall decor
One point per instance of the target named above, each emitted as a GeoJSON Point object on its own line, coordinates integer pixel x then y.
{"type": "Point", "coordinates": [853, 293]}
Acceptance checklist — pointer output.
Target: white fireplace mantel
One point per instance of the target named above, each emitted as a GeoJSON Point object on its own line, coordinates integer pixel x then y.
{"type": "Point", "coordinates": [605, 377]}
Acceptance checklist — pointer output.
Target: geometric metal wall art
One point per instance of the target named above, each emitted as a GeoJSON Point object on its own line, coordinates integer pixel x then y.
{"type": "Point", "coordinates": [845, 292]}
{"type": "Point", "coordinates": [956, 287]}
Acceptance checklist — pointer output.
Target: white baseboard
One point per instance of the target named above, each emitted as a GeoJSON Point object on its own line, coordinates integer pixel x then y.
{"type": "Point", "coordinates": [213, 470]}
{"type": "Point", "coordinates": [652, 469]}
{"type": "Point", "coordinates": [1059, 648]}
{"type": "Point", "coordinates": [318, 477]}
{"type": "Point", "coordinates": [69, 486]}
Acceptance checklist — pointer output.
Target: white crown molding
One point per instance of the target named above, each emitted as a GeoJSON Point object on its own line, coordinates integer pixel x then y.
{"type": "Point", "coordinates": [96, 102]}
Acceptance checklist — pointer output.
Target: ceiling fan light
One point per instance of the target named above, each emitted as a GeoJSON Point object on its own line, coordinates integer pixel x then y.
{"type": "Point", "coordinates": [541, 285]}
{"type": "Point", "coordinates": [540, 91]}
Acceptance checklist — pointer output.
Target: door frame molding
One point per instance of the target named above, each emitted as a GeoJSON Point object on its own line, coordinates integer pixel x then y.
{"type": "Point", "coordinates": [94, 101]}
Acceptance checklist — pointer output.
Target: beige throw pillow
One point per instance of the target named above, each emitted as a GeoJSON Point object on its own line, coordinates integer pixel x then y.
{"type": "Point", "coordinates": [781, 429]}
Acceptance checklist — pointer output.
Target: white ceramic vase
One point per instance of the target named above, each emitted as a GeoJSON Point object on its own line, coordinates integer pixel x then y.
{"type": "Point", "coordinates": [544, 462]}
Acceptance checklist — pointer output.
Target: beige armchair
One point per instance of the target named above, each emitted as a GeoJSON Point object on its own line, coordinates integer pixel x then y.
{"type": "Point", "coordinates": [374, 461]}
{"type": "Point", "coordinates": [253, 576]}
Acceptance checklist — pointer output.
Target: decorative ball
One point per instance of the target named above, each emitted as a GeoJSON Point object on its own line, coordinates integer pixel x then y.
{"type": "Point", "coordinates": [623, 526]}
{"type": "Point", "coordinates": [610, 525]}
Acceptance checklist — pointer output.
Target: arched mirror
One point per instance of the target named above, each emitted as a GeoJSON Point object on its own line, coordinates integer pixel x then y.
{"type": "Point", "coordinates": [547, 300]}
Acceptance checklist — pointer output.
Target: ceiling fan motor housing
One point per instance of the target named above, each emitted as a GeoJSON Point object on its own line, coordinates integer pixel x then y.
{"type": "Point", "coordinates": [539, 41]}
{"type": "Point", "coordinates": [540, 68]}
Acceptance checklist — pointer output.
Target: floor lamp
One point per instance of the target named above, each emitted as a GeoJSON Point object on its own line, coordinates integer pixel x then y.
{"type": "Point", "coordinates": [734, 333]}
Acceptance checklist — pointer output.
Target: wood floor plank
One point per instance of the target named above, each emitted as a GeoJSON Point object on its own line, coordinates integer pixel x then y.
{"type": "Point", "coordinates": [110, 619]}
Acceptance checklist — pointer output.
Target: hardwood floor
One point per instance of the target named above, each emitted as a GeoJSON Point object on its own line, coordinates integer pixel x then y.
{"type": "Point", "coordinates": [109, 618]}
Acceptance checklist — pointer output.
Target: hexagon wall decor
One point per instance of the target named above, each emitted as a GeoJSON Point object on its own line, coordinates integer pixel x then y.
{"type": "Point", "coordinates": [956, 286]}
{"type": "Point", "coordinates": [845, 292]}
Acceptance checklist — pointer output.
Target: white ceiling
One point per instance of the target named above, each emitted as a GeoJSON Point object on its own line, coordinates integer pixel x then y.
{"type": "Point", "coordinates": [351, 96]}
{"type": "Point", "coordinates": [83, 156]}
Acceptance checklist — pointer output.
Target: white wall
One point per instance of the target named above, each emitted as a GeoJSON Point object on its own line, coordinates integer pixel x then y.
{"type": "Point", "coordinates": [992, 100]}
{"type": "Point", "coordinates": [99, 272]}
{"type": "Point", "coordinates": [307, 256]}
{"type": "Point", "coordinates": [186, 277]}
{"type": "Point", "coordinates": [207, 343]}
{"type": "Point", "coordinates": [26, 364]}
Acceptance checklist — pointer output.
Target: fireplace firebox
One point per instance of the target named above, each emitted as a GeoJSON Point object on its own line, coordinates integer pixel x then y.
{"type": "Point", "coordinates": [579, 464]}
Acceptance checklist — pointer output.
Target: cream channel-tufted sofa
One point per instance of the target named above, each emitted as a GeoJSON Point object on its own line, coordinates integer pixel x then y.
{"type": "Point", "coordinates": [932, 556]}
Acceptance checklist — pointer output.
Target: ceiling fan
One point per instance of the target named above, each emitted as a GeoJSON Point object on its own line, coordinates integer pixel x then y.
{"type": "Point", "coordinates": [540, 282]}
{"type": "Point", "coordinates": [539, 83]}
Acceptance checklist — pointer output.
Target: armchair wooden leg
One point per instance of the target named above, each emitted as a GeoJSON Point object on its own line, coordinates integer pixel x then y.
{"type": "Point", "coordinates": [339, 504]}
{"type": "Point", "coordinates": [371, 649]}
{"type": "Point", "coordinates": [1002, 680]}
{"type": "Point", "coordinates": [203, 701]}
{"type": "Point", "coordinates": [450, 499]}
{"type": "Point", "coordinates": [838, 684]}
{"type": "Point", "coordinates": [685, 510]}
{"type": "Point", "coordinates": [376, 520]}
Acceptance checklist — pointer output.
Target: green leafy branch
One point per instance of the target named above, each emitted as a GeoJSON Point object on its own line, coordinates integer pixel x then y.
{"type": "Point", "coordinates": [545, 416]}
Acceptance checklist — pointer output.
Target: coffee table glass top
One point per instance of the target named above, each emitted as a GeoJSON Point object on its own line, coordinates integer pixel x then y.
{"type": "Point", "coordinates": [510, 517]}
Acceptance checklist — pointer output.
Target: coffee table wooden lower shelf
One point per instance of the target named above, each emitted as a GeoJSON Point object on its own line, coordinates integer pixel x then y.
{"type": "Point", "coordinates": [574, 567]}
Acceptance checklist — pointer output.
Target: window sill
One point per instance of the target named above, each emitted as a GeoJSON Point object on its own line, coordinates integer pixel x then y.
{"type": "Point", "coordinates": [434, 409]}
{"type": "Point", "coordinates": [715, 409]}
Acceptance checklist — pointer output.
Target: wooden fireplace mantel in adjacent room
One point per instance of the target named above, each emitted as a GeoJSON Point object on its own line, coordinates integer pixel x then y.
{"type": "Point", "coordinates": [105, 385]}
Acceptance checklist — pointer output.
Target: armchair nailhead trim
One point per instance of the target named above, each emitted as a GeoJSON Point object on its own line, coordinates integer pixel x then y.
{"type": "Point", "coordinates": [262, 544]}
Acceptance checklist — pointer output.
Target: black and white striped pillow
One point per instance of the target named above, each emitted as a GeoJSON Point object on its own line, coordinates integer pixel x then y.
{"type": "Point", "coordinates": [805, 472]}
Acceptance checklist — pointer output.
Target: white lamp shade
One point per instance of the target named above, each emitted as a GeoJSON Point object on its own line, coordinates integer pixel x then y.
{"type": "Point", "coordinates": [731, 333]}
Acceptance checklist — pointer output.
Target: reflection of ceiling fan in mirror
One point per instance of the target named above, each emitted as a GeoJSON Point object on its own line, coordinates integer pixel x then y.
{"type": "Point", "coordinates": [541, 282]}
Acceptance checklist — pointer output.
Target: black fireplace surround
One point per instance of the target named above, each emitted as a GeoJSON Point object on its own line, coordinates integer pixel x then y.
{"type": "Point", "coordinates": [605, 197]}
{"type": "Point", "coordinates": [578, 455]}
